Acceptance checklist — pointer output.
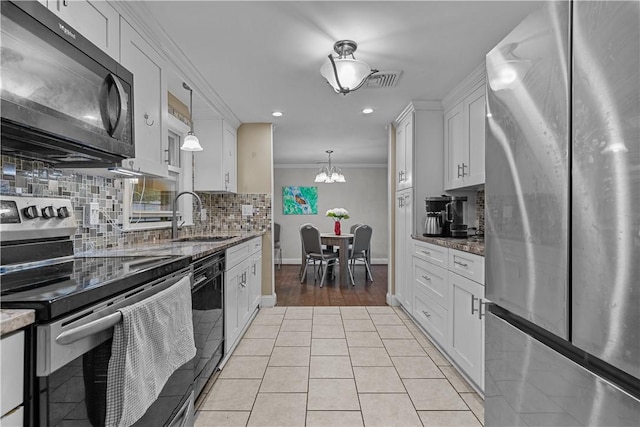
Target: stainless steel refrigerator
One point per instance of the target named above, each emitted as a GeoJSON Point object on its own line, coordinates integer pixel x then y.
{"type": "Point", "coordinates": [563, 218]}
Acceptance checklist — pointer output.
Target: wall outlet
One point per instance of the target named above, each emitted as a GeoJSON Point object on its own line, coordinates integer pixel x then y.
{"type": "Point", "coordinates": [91, 214]}
{"type": "Point", "coordinates": [247, 210]}
{"type": "Point", "coordinates": [203, 214]}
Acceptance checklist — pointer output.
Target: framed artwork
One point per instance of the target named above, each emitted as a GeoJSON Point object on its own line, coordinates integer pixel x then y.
{"type": "Point", "coordinates": [300, 200]}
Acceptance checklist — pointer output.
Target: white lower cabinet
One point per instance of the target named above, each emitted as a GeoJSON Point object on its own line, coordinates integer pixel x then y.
{"type": "Point", "coordinates": [447, 304]}
{"type": "Point", "coordinates": [466, 326]}
{"type": "Point", "coordinates": [242, 288]}
{"type": "Point", "coordinates": [12, 372]}
{"type": "Point", "coordinates": [404, 220]}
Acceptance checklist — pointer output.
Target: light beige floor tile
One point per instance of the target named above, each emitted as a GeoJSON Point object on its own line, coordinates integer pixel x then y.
{"type": "Point", "coordinates": [231, 395]}
{"type": "Point", "coordinates": [290, 356]}
{"type": "Point", "coordinates": [245, 367]}
{"type": "Point", "coordinates": [222, 418]}
{"type": "Point", "coordinates": [434, 395]}
{"type": "Point", "coordinates": [364, 339]}
{"type": "Point", "coordinates": [456, 380]}
{"type": "Point", "coordinates": [268, 320]}
{"type": "Point", "coordinates": [326, 310]}
{"type": "Point", "coordinates": [386, 319]}
{"type": "Point", "coordinates": [378, 380]}
{"type": "Point", "coordinates": [285, 380]}
{"type": "Point", "coordinates": [327, 331]}
{"type": "Point", "coordinates": [327, 319]}
{"type": "Point", "coordinates": [334, 419]}
{"type": "Point", "coordinates": [411, 326]}
{"type": "Point", "coordinates": [261, 331]}
{"type": "Point", "coordinates": [387, 410]}
{"type": "Point", "coordinates": [296, 325]}
{"type": "Point", "coordinates": [330, 367]}
{"type": "Point", "coordinates": [476, 404]}
{"type": "Point", "coordinates": [422, 340]}
{"type": "Point", "coordinates": [448, 419]}
{"type": "Point", "coordinates": [380, 309]}
{"type": "Point", "coordinates": [369, 356]}
{"type": "Point", "coordinates": [359, 325]}
{"type": "Point", "coordinates": [403, 348]}
{"type": "Point", "coordinates": [293, 339]}
{"type": "Point", "coordinates": [358, 313]}
{"type": "Point", "coordinates": [273, 310]}
{"type": "Point", "coordinates": [255, 347]}
{"type": "Point", "coordinates": [416, 367]}
{"type": "Point", "coordinates": [329, 347]}
{"type": "Point", "coordinates": [401, 313]}
{"type": "Point", "coordinates": [436, 356]}
{"type": "Point", "coordinates": [332, 395]}
{"type": "Point", "coordinates": [394, 332]}
{"type": "Point", "coordinates": [279, 409]}
{"type": "Point", "coordinates": [299, 313]}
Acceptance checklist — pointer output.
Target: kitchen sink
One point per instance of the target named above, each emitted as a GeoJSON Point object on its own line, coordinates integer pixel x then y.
{"type": "Point", "coordinates": [211, 239]}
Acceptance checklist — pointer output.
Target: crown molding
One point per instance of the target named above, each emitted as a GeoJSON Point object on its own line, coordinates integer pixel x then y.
{"type": "Point", "coordinates": [418, 105]}
{"type": "Point", "coordinates": [474, 79]}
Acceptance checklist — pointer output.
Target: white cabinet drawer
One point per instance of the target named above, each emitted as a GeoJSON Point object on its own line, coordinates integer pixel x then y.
{"type": "Point", "coordinates": [255, 245]}
{"type": "Point", "coordinates": [432, 280]}
{"type": "Point", "coordinates": [13, 419]}
{"type": "Point", "coordinates": [431, 316]}
{"type": "Point", "coordinates": [467, 265]}
{"type": "Point", "coordinates": [432, 253]}
{"type": "Point", "coordinates": [12, 371]}
{"type": "Point", "coordinates": [236, 254]}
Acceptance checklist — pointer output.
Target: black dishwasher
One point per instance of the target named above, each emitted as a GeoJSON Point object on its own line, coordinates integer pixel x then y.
{"type": "Point", "coordinates": [208, 317]}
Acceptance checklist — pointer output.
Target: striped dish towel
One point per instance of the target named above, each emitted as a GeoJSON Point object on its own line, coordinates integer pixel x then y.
{"type": "Point", "coordinates": [154, 339]}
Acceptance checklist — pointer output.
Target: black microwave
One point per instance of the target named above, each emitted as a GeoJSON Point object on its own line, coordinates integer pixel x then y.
{"type": "Point", "coordinates": [64, 101]}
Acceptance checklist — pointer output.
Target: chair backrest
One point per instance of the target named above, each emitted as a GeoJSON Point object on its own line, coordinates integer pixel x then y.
{"type": "Point", "coordinates": [276, 232]}
{"type": "Point", "coordinates": [310, 236]}
{"type": "Point", "coordinates": [362, 239]}
{"type": "Point", "coordinates": [353, 228]}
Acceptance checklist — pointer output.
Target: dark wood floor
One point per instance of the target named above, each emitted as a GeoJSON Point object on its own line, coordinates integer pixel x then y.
{"type": "Point", "coordinates": [290, 292]}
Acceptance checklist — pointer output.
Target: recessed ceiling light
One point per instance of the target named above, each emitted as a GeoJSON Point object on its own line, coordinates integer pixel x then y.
{"type": "Point", "coordinates": [277, 114]}
{"type": "Point", "coordinates": [367, 111]}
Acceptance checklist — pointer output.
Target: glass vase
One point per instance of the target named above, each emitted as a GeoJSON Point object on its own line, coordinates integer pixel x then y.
{"type": "Point", "coordinates": [336, 228]}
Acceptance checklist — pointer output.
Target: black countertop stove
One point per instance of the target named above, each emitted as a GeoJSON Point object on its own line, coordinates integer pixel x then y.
{"type": "Point", "coordinates": [57, 287]}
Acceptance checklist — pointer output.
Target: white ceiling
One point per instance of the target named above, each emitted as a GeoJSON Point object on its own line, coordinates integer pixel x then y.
{"type": "Point", "coordinates": [265, 56]}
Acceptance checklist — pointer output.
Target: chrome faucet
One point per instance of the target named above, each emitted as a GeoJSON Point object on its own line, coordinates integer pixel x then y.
{"type": "Point", "coordinates": [174, 218]}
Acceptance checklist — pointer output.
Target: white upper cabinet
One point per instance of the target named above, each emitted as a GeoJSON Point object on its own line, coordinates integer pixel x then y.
{"type": "Point", "coordinates": [404, 152]}
{"type": "Point", "coordinates": [95, 20]}
{"type": "Point", "coordinates": [464, 127]}
{"type": "Point", "coordinates": [215, 167]}
{"type": "Point", "coordinates": [150, 101]}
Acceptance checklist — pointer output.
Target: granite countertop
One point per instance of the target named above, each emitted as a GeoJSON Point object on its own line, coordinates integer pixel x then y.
{"type": "Point", "coordinates": [471, 244]}
{"type": "Point", "coordinates": [14, 319]}
{"type": "Point", "coordinates": [195, 248]}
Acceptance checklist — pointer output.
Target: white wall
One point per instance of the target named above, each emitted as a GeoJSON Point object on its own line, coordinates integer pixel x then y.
{"type": "Point", "coordinates": [364, 195]}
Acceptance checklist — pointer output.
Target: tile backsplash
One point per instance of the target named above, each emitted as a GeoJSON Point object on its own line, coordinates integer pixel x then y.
{"type": "Point", "coordinates": [224, 211]}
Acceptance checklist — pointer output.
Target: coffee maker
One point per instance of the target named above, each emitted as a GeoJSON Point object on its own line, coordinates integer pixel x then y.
{"type": "Point", "coordinates": [445, 216]}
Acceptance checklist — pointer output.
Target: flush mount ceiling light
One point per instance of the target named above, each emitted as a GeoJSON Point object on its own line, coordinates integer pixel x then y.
{"type": "Point", "coordinates": [367, 110]}
{"type": "Point", "coordinates": [330, 174]}
{"type": "Point", "coordinates": [191, 142]}
{"type": "Point", "coordinates": [346, 74]}
{"type": "Point", "coordinates": [277, 114]}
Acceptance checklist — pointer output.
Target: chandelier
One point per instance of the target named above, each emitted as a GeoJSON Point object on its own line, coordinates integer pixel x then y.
{"type": "Point", "coordinates": [330, 174]}
{"type": "Point", "coordinates": [346, 74]}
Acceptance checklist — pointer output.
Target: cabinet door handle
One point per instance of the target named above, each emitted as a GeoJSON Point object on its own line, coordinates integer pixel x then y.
{"type": "Point", "coordinates": [473, 304]}
{"type": "Point", "coordinates": [461, 264]}
{"type": "Point", "coordinates": [426, 252]}
{"type": "Point", "coordinates": [481, 303]}
{"type": "Point", "coordinates": [65, 3]}
{"type": "Point", "coordinates": [426, 278]}
{"type": "Point", "coordinates": [463, 168]}
{"type": "Point", "coordinates": [254, 269]}
{"type": "Point", "coordinates": [426, 314]}
{"type": "Point", "coordinates": [458, 170]}
{"type": "Point", "coordinates": [400, 202]}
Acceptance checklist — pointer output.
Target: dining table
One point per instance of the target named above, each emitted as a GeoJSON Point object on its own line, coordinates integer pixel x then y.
{"type": "Point", "coordinates": [342, 241]}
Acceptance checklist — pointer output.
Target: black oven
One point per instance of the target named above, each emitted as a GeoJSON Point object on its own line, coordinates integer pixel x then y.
{"type": "Point", "coordinates": [64, 100]}
{"type": "Point", "coordinates": [208, 317]}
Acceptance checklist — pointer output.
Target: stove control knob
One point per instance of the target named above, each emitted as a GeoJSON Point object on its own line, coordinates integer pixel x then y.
{"type": "Point", "coordinates": [31, 212]}
{"type": "Point", "coordinates": [63, 212]}
{"type": "Point", "coordinates": [48, 212]}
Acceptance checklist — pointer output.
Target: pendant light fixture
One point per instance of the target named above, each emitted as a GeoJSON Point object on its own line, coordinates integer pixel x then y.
{"type": "Point", "coordinates": [346, 74]}
{"type": "Point", "coordinates": [190, 142]}
{"type": "Point", "coordinates": [330, 174]}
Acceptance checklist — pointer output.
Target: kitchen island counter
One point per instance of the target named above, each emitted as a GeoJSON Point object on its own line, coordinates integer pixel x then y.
{"type": "Point", "coordinates": [471, 245]}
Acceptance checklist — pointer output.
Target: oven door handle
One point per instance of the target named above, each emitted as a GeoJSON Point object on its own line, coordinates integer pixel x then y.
{"type": "Point", "coordinates": [112, 316]}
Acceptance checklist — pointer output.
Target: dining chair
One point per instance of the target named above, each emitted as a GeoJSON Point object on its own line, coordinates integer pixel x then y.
{"type": "Point", "coordinates": [360, 250]}
{"type": "Point", "coordinates": [277, 249]}
{"type": "Point", "coordinates": [312, 249]}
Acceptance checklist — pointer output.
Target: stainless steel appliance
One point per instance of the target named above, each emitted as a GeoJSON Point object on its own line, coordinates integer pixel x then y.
{"type": "Point", "coordinates": [563, 202]}
{"type": "Point", "coordinates": [64, 101]}
{"type": "Point", "coordinates": [207, 300]}
{"type": "Point", "coordinates": [69, 346]}
{"type": "Point", "coordinates": [445, 216]}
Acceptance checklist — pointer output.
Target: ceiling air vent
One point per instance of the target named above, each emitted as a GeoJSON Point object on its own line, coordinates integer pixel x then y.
{"type": "Point", "coordinates": [383, 79]}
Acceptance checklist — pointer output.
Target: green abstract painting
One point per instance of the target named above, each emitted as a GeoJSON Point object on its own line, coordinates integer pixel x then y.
{"type": "Point", "coordinates": [300, 200]}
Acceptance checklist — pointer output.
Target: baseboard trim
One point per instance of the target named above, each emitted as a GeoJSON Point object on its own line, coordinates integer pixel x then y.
{"type": "Point", "coordinates": [269, 300]}
{"type": "Point", "coordinates": [392, 301]}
